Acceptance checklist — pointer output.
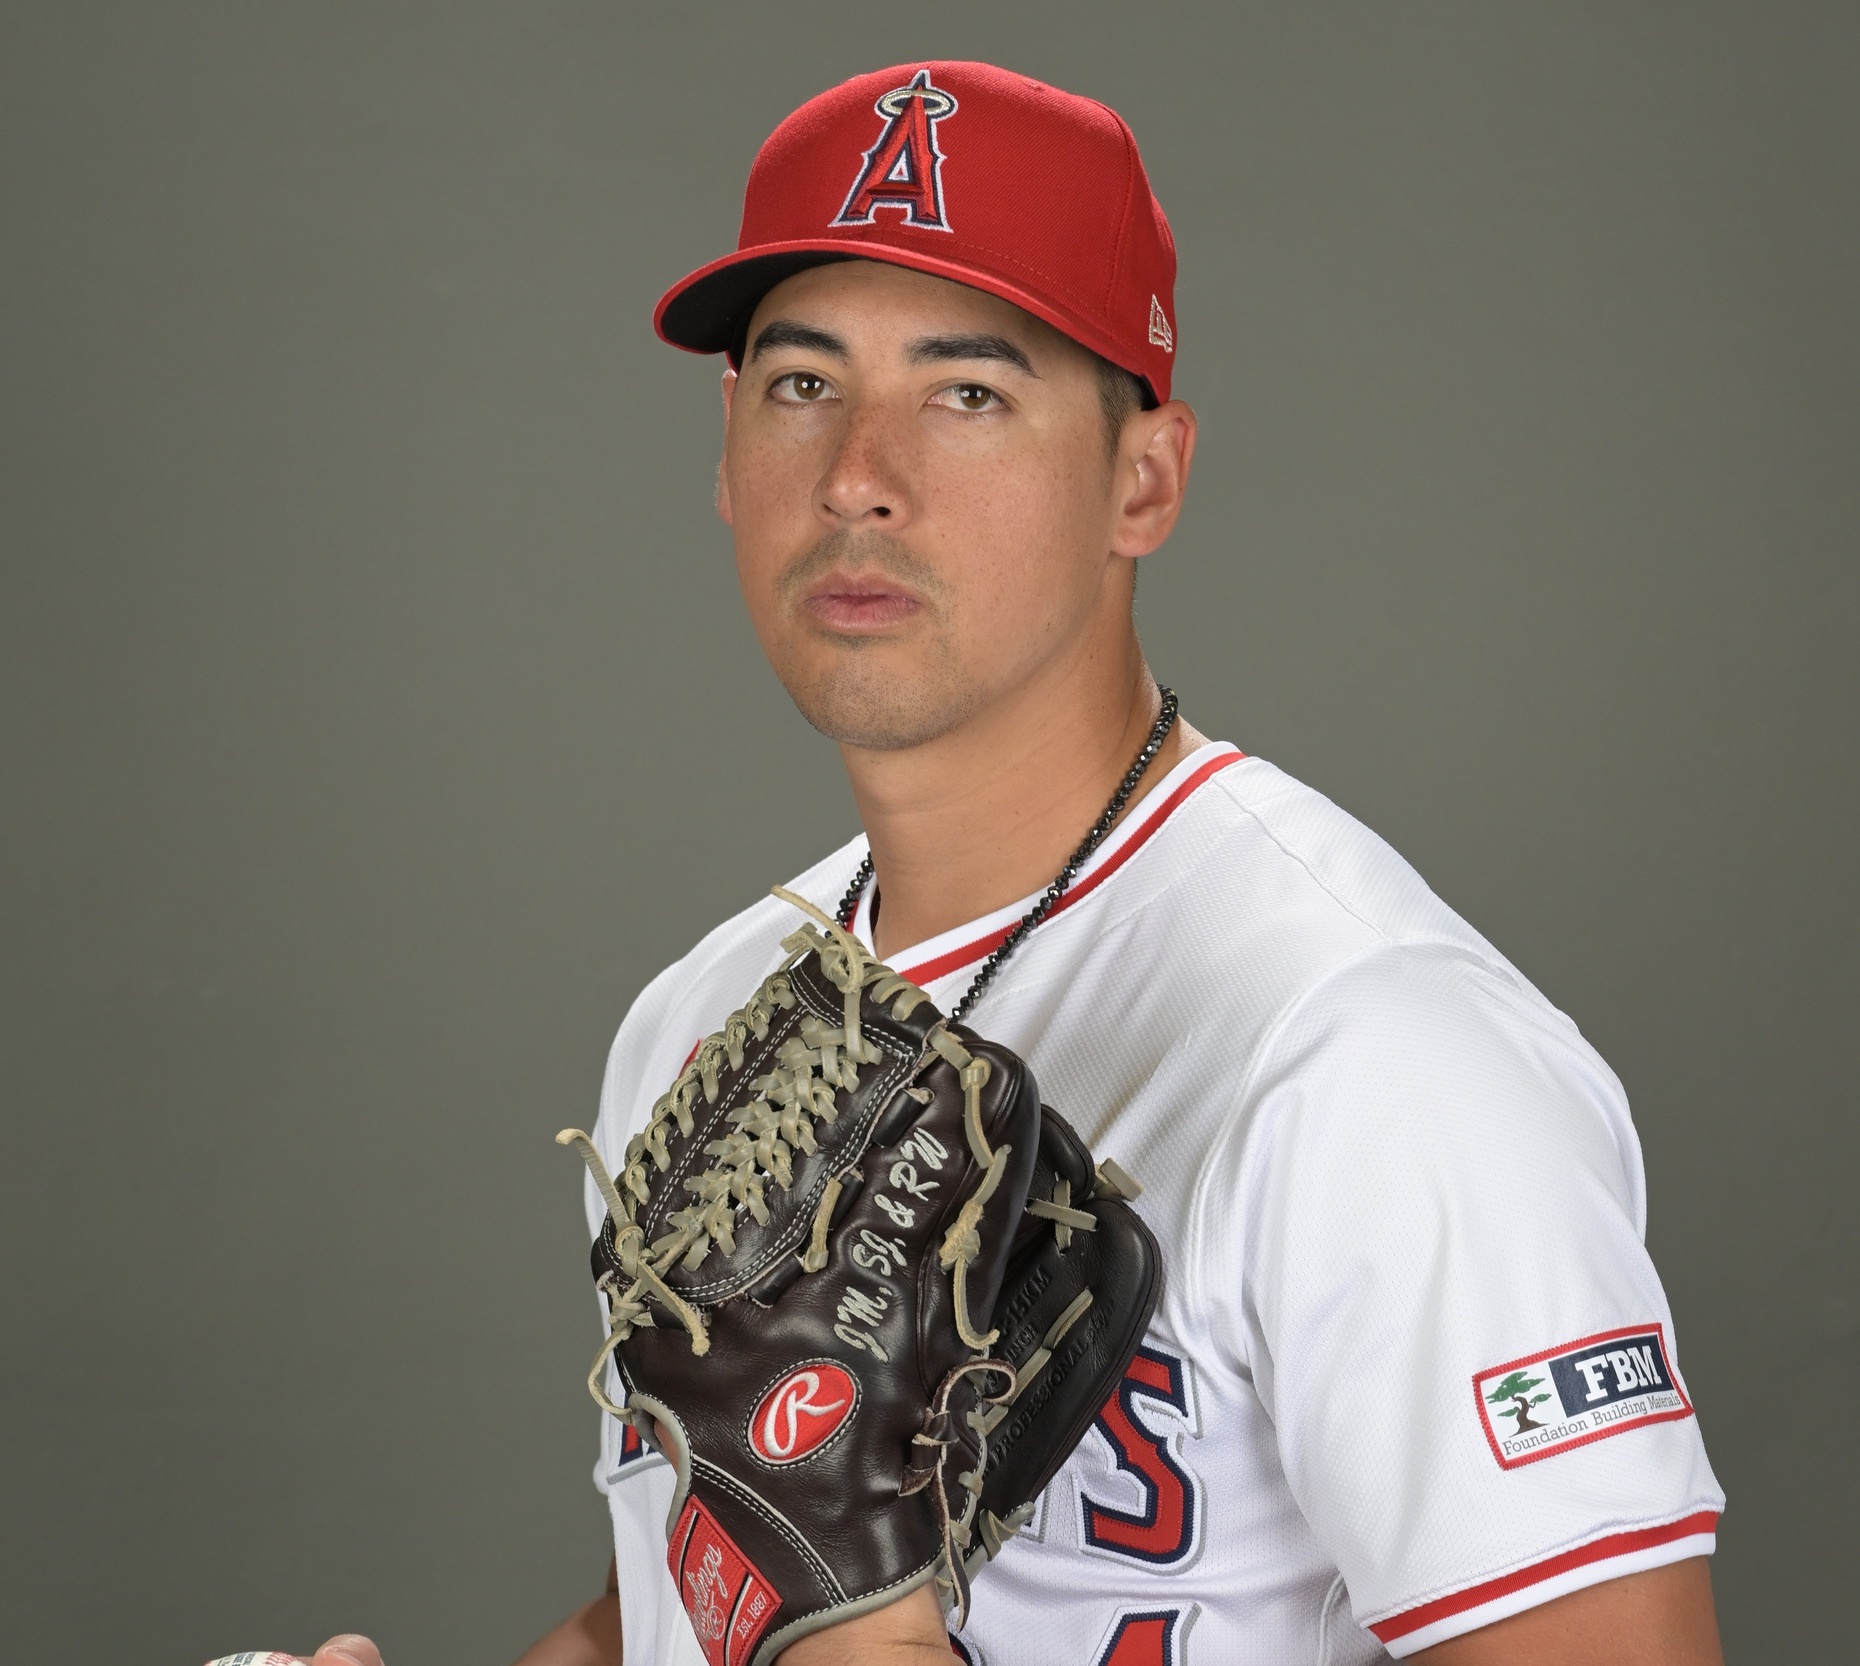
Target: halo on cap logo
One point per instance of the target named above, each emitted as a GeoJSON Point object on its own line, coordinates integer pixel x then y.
{"type": "Point", "coordinates": [802, 1412]}
{"type": "Point", "coordinates": [903, 169]}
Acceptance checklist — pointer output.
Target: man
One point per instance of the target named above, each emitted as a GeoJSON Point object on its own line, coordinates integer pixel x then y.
{"type": "Point", "coordinates": [1412, 1387]}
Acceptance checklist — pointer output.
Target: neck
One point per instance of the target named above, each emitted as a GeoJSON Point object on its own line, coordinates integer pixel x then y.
{"type": "Point", "coordinates": [986, 814]}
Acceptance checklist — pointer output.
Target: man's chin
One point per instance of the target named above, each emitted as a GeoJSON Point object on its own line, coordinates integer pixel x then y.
{"type": "Point", "coordinates": [859, 706]}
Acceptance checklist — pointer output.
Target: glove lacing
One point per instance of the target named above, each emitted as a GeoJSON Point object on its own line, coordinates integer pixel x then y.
{"type": "Point", "coordinates": [758, 1150]}
{"type": "Point", "coordinates": [760, 1146]}
{"type": "Point", "coordinates": [930, 1459]}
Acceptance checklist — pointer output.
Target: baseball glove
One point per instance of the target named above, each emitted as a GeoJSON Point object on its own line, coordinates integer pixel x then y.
{"type": "Point", "coordinates": [796, 1255]}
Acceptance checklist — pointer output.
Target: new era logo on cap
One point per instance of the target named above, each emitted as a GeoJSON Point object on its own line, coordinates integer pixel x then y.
{"type": "Point", "coordinates": [967, 172]}
{"type": "Point", "coordinates": [1160, 333]}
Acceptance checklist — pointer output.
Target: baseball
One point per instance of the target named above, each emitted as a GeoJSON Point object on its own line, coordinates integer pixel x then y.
{"type": "Point", "coordinates": [258, 1657]}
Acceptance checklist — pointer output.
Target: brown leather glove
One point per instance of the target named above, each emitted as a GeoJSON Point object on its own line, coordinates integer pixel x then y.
{"type": "Point", "coordinates": [798, 1252]}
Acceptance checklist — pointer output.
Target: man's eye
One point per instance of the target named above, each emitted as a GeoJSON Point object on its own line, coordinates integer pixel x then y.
{"type": "Point", "coordinates": [972, 396]}
{"type": "Point", "coordinates": [803, 387]}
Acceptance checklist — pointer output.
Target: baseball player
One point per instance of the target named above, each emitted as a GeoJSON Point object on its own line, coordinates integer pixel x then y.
{"type": "Point", "coordinates": [1411, 1387]}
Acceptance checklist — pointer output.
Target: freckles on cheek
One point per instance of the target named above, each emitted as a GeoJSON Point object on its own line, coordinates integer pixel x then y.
{"type": "Point", "coordinates": [776, 508]}
{"type": "Point", "coordinates": [1003, 502]}
{"type": "Point", "coordinates": [755, 488]}
{"type": "Point", "coordinates": [1064, 561]}
{"type": "Point", "coordinates": [1026, 519]}
{"type": "Point", "coordinates": [767, 521]}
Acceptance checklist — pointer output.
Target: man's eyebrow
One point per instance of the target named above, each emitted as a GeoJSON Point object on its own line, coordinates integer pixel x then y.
{"type": "Point", "coordinates": [786, 333]}
{"type": "Point", "coordinates": [942, 349]}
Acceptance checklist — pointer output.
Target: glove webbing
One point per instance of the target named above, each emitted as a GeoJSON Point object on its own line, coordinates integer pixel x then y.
{"type": "Point", "coordinates": [766, 1132]}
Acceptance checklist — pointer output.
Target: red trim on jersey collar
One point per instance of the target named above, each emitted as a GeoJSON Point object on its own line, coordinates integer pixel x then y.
{"type": "Point", "coordinates": [1600, 1550]}
{"type": "Point", "coordinates": [1154, 815]}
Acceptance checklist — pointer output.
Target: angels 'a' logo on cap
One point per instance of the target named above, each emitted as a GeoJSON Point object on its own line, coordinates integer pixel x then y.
{"type": "Point", "coordinates": [903, 169]}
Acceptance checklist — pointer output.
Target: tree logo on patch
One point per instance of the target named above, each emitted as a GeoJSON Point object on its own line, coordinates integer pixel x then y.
{"type": "Point", "coordinates": [1517, 1389]}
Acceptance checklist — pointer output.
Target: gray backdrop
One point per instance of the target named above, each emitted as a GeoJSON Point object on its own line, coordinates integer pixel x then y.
{"type": "Point", "coordinates": [379, 714]}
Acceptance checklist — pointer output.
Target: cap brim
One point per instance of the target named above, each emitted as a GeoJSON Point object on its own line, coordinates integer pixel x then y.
{"type": "Point", "coordinates": [709, 311]}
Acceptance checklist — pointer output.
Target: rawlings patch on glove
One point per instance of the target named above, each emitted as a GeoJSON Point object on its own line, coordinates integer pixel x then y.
{"type": "Point", "coordinates": [797, 1253]}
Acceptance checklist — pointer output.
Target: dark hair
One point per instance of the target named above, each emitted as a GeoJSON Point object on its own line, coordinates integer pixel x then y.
{"type": "Point", "coordinates": [1121, 394]}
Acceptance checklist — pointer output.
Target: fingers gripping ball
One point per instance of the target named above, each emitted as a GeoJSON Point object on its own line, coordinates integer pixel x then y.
{"type": "Point", "coordinates": [801, 1251]}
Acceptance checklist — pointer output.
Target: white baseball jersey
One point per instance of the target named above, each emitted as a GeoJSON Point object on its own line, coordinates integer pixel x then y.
{"type": "Point", "coordinates": [1412, 1370]}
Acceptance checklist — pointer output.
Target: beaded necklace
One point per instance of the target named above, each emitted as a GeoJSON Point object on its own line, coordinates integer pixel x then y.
{"type": "Point", "coordinates": [1049, 898]}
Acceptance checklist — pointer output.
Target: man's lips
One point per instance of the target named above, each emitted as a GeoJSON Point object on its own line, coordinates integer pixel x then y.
{"type": "Point", "coordinates": [855, 606]}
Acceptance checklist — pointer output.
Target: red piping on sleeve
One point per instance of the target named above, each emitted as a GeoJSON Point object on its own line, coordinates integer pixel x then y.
{"type": "Point", "coordinates": [1615, 1544]}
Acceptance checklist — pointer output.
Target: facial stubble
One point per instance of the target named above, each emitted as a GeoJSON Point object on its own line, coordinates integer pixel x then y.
{"type": "Point", "coordinates": [865, 697]}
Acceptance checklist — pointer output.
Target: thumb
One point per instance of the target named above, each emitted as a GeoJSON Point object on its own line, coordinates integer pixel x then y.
{"type": "Point", "coordinates": [349, 1649]}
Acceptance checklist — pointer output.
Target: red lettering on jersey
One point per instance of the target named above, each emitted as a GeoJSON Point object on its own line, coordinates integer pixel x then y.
{"type": "Point", "coordinates": [1143, 1639]}
{"type": "Point", "coordinates": [903, 169]}
{"type": "Point", "coordinates": [631, 1446]}
{"type": "Point", "coordinates": [1163, 1530]}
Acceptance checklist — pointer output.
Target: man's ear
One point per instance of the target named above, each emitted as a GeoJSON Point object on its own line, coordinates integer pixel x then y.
{"type": "Point", "coordinates": [1154, 455]}
{"type": "Point", "coordinates": [723, 482]}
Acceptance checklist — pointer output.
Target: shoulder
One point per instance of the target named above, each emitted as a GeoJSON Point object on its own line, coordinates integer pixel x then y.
{"type": "Point", "coordinates": [1319, 855]}
{"type": "Point", "coordinates": [1385, 1056]}
{"type": "Point", "coordinates": [1260, 895]}
{"type": "Point", "coordinates": [1431, 1173]}
{"type": "Point", "coordinates": [1415, 1106]}
{"type": "Point", "coordinates": [1427, 1043]}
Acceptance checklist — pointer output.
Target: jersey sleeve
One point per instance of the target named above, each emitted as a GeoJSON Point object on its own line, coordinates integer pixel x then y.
{"type": "Point", "coordinates": [1445, 1302]}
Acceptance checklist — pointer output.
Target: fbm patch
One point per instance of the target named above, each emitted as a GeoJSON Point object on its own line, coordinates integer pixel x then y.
{"type": "Point", "coordinates": [1581, 1391]}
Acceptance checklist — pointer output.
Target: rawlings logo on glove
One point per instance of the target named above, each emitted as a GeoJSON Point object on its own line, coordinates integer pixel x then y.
{"type": "Point", "coordinates": [793, 1421]}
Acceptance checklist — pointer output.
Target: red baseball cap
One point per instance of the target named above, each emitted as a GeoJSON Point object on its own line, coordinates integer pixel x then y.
{"type": "Point", "coordinates": [968, 172]}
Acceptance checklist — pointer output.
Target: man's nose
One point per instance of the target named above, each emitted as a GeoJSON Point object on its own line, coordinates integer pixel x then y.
{"type": "Point", "coordinates": [865, 482]}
